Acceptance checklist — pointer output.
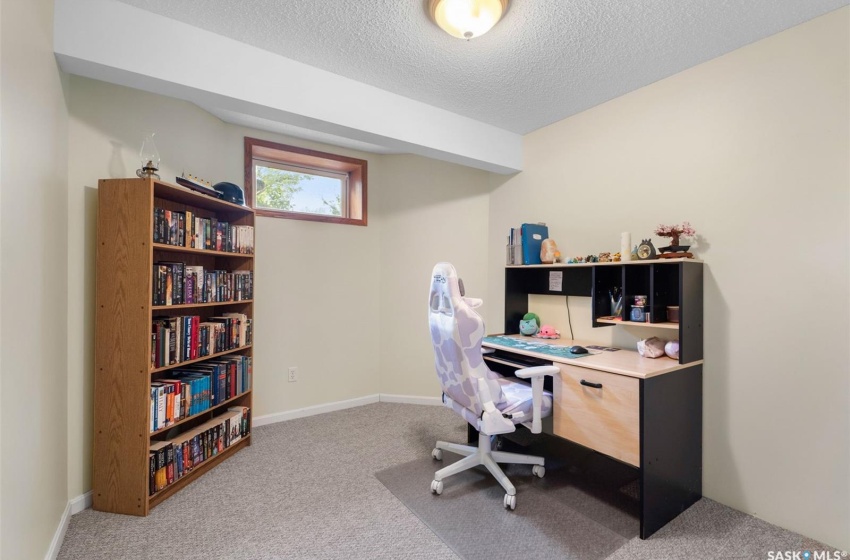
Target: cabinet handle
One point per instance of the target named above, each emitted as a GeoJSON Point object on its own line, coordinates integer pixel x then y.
{"type": "Point", "coordinates": [589, 384]}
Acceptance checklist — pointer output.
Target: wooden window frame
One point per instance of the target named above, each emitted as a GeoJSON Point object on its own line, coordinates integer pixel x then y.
{"type": "Point", "coordinates": [282, 154]}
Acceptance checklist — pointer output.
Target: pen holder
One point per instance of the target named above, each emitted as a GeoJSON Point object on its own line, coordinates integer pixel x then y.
{"type": "Point", "coordinates": [513, 254]}
{"type": "Point", "coordinates": [617, 306]}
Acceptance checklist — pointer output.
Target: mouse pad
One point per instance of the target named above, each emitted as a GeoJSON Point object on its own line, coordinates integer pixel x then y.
{"type": "Point", "coordinates": [535, 346]}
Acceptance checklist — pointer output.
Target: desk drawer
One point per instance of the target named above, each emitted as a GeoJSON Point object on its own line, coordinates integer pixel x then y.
{"type": "Point", "coordinates": [606, 419]}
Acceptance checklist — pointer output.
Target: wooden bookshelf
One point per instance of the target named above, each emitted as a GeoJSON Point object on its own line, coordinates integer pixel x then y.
{"type": "Point", "coordinates": [124, 314]}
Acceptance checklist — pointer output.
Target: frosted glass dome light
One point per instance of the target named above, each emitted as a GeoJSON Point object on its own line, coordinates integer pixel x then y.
{"type": "Point", "coordinates": [467, 19]}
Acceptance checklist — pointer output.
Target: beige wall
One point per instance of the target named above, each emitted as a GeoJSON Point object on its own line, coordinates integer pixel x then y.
{"type": "Point", "coordinates": [316, 284]}
{"type": "Point", "coordinates": [330, 296]}
{"type": "Point", "coordinates": [430, 212]}
{"type": "Point", "coordinates": [753, 149]}
{"type": "Point", "coordinates": [33, 297]}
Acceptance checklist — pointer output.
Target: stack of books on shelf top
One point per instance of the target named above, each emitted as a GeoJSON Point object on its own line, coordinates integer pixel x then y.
{"type": "Point", "coordinates": [172, 459]}
{"type": "Point", "coordinates": [176, 283]}
{"type": "Point", "coordinates": [184, 338]}
{"type": "Point", "coordinates": [524, 244]}
{"type": "Point", "coordinates": [184, 229]}
{"type": "Point", "coordinates": [197, 388]}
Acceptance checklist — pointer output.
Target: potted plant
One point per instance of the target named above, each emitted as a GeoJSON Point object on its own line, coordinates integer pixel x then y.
{"type": "Point", "coordinates": [674, 232]}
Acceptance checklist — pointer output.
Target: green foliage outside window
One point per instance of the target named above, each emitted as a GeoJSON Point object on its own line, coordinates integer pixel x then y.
{"type": "Point", "coordinates": [276, 187]}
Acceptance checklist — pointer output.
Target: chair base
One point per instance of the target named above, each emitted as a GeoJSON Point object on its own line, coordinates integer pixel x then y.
{"type": "Point", "coordinates": [484, 455]}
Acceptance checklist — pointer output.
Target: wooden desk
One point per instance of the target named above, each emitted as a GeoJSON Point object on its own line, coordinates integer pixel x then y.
{"type": "Point", "coordinates": [640, 411]}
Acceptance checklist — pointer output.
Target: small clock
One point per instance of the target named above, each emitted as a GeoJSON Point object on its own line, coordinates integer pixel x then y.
{"type": "Point", "coordinates": [645, 250]}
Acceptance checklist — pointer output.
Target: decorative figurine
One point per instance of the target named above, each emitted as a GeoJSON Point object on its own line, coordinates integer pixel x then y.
{"type": "Point", "coordinates": [591, 259]}
{"type": "Point", "coordinates": [646, 250]}
{"type": "Point", "coordinates": [149, 157]}
{"type": "Point", "coordinates": [674, 250]}
{"type": "Point", "coordinates": [672, 349]}
{"type": "Point", "coordinates": [547, 331]}
{"type": "Point", "coordinates": [604, 257]}
{"type": "Point", "coordinates": [549, 251]}
{"type": "Point", "coordinates": [529, 324]}
{"type": "Point", "coordinates": [634, 254]}
{"type": "Point", "coordinates": [652, 347]}
{"type": "Point", "coordinates": [617, 257]}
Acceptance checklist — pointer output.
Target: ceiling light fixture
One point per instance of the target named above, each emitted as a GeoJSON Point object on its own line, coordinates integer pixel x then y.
{"type": "Point", "coordinates": [466, 19]}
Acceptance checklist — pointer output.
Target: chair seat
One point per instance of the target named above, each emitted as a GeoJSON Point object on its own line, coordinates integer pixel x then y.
{"type": "Point", "coordinates": [518, 399]}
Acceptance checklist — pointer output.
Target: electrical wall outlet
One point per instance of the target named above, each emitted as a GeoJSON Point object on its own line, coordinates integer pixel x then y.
{"type": "Point", "coordinates": [293, 374]}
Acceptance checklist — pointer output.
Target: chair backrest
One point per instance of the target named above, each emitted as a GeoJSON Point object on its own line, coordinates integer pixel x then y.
{"type": "Point", "coordinates": [456, 333]}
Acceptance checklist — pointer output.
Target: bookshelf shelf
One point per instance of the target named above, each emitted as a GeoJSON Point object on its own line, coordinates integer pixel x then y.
{"type": "Point", "coordinates": [200, 414]}
{"type": "Point", "coordinates": [124, 379]}
{"type": "Point", "coordinates": [179, 249]}
{"type": "Point", "coordinates": [193, 305]}
{"type": "Point", "coordinates": [210, 463]}
{"type": "Point", "coordinates": [197, 360]}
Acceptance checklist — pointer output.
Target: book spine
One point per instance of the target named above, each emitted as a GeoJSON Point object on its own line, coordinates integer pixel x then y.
{"type": "Point", "coordinates": [169, 464]}
{"type": "Point", "coordinates": [152, 467]}
{"type": "Point", "coordinates": [160, 407]}
{"type": "Point", "coordinates": [189, 222]}
{"type": "Point", "coordinates": [161, 478]}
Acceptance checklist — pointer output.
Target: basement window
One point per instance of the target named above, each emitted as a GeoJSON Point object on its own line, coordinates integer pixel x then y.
{"type": "Point", "coordinates": [290, 182]}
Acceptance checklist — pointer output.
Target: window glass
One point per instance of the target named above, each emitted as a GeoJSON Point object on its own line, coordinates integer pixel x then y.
{"type": "Point", "coordinates": [300, 190]}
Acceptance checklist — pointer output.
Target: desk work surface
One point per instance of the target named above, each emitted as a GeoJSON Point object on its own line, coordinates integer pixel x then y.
{"type": "Point", "coordinates": [623, 362]}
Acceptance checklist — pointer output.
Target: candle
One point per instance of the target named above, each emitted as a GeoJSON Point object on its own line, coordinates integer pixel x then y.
{"type": "Point", "coordinates": [626, 246]}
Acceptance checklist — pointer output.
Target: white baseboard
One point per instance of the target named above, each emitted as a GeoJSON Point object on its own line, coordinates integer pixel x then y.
{"type": "Point", "coordinates": [80, 503]}
{"type": "Point", "coordinates": [408, 399]}
{"type": "Point", "coordinates": [59, 535]}
{"type": "Point", "coordinates": [342, 405]}
{"type": "Point", "coordinates": [313, 410]}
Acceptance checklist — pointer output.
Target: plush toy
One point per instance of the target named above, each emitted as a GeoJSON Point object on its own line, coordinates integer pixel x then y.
{"type": "Point", "coordinates": [529, 324]}
{"type": "Point", "coordinates": [672, 349]}
{"type": "Point", "coordinates": [651, 347]}
{"type": "Point", "coordinates": [547, 331]}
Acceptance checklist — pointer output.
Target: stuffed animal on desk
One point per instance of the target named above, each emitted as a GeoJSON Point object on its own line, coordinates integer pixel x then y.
{"type": "Point", "coordinates": [529, 324]}
{"type": "Point", "coordinates": [547, 331]}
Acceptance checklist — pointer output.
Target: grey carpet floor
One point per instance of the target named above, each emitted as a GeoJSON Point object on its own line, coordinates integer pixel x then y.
{"type": "Point", "coordinates": [308, 488]}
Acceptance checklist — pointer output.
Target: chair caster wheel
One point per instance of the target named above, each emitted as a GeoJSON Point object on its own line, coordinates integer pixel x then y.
{"type": "Point", "coordinates": [539, 471]}
{"type": "Point", "coordinates": [437, 487]}
{"type": "Point", "coordinates": [437, 454]}
{"type": "Point", "coordinates": [510, 502]}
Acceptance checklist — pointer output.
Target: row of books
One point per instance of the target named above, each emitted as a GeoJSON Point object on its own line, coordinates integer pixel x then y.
{"type": "Point", "coordinates": [187, 337]}
{"type": "Point", "coordinates": [176, 283]}
{"type": "Point", "coordinates": [198, 387]}
{"type": "Point", "coordinates": [185, 229]}
{"type": "Point", "coordinates": [171, 460]}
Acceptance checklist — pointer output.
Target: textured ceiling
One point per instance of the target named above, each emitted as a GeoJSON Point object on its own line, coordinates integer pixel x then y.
{"type": "Point", "coordinates": [546, 60]}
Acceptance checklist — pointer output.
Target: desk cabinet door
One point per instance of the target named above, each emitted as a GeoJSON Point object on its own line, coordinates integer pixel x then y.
{"type": "Point", "coordinates": [605, 418]}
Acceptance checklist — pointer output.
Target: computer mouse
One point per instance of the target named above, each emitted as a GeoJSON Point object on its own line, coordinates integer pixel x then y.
{"type": "Point", "coordinates": [578, 350]}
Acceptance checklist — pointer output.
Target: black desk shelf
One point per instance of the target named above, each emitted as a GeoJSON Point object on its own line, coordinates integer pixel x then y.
{"type": "Point", "coordinates": [664, 282]}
